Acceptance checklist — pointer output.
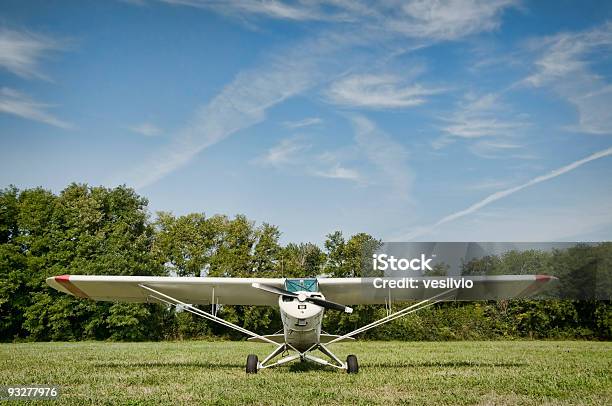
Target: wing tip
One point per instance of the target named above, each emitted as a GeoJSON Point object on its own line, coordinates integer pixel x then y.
{"type": "Point", "coordinates": [63, 284]}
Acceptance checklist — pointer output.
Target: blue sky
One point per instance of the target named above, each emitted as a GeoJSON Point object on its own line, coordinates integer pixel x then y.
{"type": "Point", "coordinates": [454, 120]}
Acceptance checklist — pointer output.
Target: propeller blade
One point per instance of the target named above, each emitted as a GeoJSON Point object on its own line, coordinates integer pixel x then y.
{"type": "Point", "coordinates": [319, 302]}
{"type": "Point", "coordinates": [329, 305]}
{"type": "Point", "coordinates": [273, 289]}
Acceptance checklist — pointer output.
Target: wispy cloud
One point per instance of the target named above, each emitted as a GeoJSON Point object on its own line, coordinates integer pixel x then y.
{"type": "Point", "coordinates": [390, 157]}
{"type": "Point", "coordinates": [418, 231]}
{"type": "Point", "coordinates": [585, 219]}
{"type": "Point", "coordinates": [436, 20]}
{"type": "Point", "coordinates": [146, 129]}
{"type": "Point", "coordinates": [487, 184]}
{"type": "Point", "coordinates": [338, 172]}
{"type": "Point", "coordinates": [378, 92]}
{"type": "Point", "coordinates": [374, 159]}
{"type": "Point", "coordinates": [564, 62]}
{"type": "Point", "coordinates": [448, 20]}
{"type": "Point", "coordinates": [21, 52]}
{"type": "Point", "coordinates": [241, 104]}
{"type": "Point", "coordinates": [491, 149]}
{"type": "Point", "coordinates": [337, 164]}
{"type": "Point", "coordinates": [295, 154]}
{"type": "Point", "coordinates": [287, 152]}
{"type": "Point", "coordinates": [268, 8]}
{"type": "Point", "coordinates": [486, 122]}
{"type": "Point", "coordinates": [245, 100]}
{"type": "Point", "coordinates": [307, 122]}
{"type": "Point", "coordinates": [478, 116]}
{"type": "Point", "coordinates": [20, 105]}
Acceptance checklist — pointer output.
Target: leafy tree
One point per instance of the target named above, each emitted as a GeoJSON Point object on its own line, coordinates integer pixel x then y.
{"type": "Point", "coordinates": [349, 258]}
{"type": "Point", "coordinates": [266, 251]}
{"type": "Point", "coordinates": [232, 256]}
{"type": "Point", "coordinates": [336, 258]}
{"type": "Point", "coordinates": [97, 230]}
{"type": "Point", "coordinates": [301, 260]}
{"type": "Point", "coordinates": [83, 230]}
{"type": "Point", "coordinates": [186, 243]}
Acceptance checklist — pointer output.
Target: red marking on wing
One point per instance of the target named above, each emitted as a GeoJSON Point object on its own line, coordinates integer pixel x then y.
{"type": "Point", "coordinates": [64, 280]}
{"type": "Point", "coordinates": [539, 280]}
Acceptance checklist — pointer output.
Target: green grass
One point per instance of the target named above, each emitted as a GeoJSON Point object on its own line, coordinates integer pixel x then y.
{"type": "Point", "coordinates": [484, 373]}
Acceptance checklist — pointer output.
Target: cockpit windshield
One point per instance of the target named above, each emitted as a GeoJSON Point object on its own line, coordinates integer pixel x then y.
{"type": "Point", "coordinates": [306, 285]}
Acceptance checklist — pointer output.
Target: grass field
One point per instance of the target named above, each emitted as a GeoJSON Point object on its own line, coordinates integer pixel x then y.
{"type": "Point", "coordinates": [503, 372]}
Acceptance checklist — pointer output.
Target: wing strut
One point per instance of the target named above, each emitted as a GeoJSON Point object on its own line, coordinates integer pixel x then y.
{"type": "Point", "coordinates": [191, 309]}
{"type": "Point", "coordinates": [401, 313]}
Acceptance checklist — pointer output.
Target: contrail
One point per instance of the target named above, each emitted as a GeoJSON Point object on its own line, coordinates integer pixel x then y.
{"type": "Point", "coordinates": [503, 193]}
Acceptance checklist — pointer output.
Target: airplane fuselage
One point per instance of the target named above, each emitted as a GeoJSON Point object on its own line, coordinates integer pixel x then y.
{"type": "Point", "coordinates": [301, 320]}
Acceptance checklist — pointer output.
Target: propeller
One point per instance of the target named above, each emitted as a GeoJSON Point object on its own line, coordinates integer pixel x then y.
{"type": "Point", "coordinates": [303, 298]}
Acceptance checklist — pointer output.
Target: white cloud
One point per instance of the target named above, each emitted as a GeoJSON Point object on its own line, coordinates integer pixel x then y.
{"type": "Point", "coordinates": [241, 104]}
{"type": "Point", "coordinates": [21, 52]}
{"type": "Point", "coordinates": [422, 19]}
{"type": "Point", "coordinates": [267, 8]}
{"type": "Point", "coordinates": [378, 92]}
{"type": "Point", "coordinates": [334, 164]}
{"type": "Point", "coordinates": [390, 157]}
{"type": "Point", "coordinates": [490, 126]}
{"type": "Point", "coordinates": [338, 172]}
{"type": "Point", "coordinates": [20, 105]}
{"type": "Point", "coordinates": [381, 160]}
{"type": "Point", "coordinates": [244, 102]}
{"type": "Point", "coordinates": [476, 127]}
{"type": "Point", "coordinates": [294, 153]}
{"type": "Point", "coordinates": [583, 220]}
{"type": "Point", "coordinates": [419, 231]}
{"type": "Point", "coordinates": [499, 149]}
{"type": "Point", "coordinates": [564, 63]}
{"type": "Point", "coordinates": [479, 117]}
{"type": "Point", "coordinates": [307, 122]}
{"type": "Point", "coordinates": [146, 129]}
{"type": "Point", "coordinates": [568, 54]}
{"type": "Point", "coordinates": [448, 20]}
{"type": "Point", "coordinates": [288, 151]}
{"type": "Point", "coordinates": [489, 184]}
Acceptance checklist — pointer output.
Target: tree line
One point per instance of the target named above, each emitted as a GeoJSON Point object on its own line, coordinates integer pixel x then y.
{"type": "Point", "coordinates": [109, 231]}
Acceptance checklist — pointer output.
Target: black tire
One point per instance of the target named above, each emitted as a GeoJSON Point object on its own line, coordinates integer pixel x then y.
{"type": "Point", "coordinates": [352, 367]}
{"type": "Point", "coordinates": [251, 365]}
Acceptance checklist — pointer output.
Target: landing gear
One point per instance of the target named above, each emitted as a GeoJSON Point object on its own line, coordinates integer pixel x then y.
{"type": "Point", "coordinates": [251, 365]}
{"type": "Point", "coordinates": [352, 367]}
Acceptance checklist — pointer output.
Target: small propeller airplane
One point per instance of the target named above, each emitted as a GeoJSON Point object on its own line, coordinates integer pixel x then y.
{"type": "Point", "coordinates": [302, 303]}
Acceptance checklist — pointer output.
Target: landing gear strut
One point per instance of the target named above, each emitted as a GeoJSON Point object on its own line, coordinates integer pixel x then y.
{"type": "Point", "coordinates": [302, 356]}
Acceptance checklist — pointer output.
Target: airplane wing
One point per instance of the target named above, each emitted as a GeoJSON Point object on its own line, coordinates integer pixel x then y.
{"type": "Point", "coordinates": [355, 291]}
{"type": "Point", "coordinates": [193, 290]}
{"type": "Point", "coordinates": [240, 291]}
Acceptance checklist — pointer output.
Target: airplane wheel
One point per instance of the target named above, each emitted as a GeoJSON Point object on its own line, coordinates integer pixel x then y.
{"type": "Point", "coordinates": [251, 366]}
{"type": "Point", "coordinates": [352, 367]}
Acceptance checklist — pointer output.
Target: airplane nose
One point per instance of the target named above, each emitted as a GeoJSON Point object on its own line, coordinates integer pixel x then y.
{"type": "Point", "coordinates": [301, 297]}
